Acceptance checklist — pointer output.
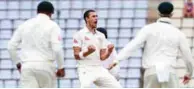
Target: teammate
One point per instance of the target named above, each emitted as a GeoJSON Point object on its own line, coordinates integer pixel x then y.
{"type": "Point", "coordinates": [162, 41]}
{"type": "Point", "coordinates": [90, 48]}
{"type": "Point", "coordinates": [109, 60]}
{"type": "Point", "coordinates": [41, 44]}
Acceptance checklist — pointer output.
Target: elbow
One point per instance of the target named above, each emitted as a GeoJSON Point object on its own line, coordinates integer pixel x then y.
{"type": "Point", "coordinates": [10, 47]}
{"type": "Point", "coordinates": [57, 49]}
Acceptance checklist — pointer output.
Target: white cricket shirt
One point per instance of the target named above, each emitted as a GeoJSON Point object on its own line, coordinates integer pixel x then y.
{"type": "Point", "coordinates": [40, 40]}
{"type": "Point", "coordinates": [83, 39]}
{"type": "Point", "coordinates": [162, 41]}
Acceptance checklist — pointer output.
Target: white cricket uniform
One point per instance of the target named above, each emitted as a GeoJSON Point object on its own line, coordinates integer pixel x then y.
{"type": "Point", "coordinates": [106, 63]}
{"type": "Point", "coordinates": [90, 69]}
{"type": "Point", "coordinates": [162, 42]}
{"type": "Point", "coordinates": [41, 43]}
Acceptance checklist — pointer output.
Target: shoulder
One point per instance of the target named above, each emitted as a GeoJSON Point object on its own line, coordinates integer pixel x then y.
{"type": "Point", "coordinates": [78, 33]}
{"type": "Point", "coordinates": [26, 24]}
{"type": "Point", "coordinates": [148, 26]}
{"type": "Point", "coordinates": [100, 34]}
{"type": "Point", "coordinates": [181, 34]}
{"type": "Point", "coordinates": [53, 24]}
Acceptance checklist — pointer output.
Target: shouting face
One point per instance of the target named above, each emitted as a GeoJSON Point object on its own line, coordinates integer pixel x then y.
{"type": "Point", "coordinates": [92, 19]}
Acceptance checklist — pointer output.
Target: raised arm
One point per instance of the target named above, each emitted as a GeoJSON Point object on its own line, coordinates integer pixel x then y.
{"type": "Point", "coordinates": [136, 43]}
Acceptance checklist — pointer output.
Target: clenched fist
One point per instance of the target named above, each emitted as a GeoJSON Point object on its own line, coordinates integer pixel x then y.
{"type": "Point", "coordinates": [60, 72]}
{"type": "Point", "coordinates": [110, 48]}
{"type": "Point", "coordinates": [91, 48]}
{"type": "Point", "coordinates": [186, 79]}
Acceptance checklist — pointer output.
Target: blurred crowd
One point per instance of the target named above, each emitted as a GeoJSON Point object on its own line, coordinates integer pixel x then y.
{"type": "Point", "coordinates": [188, 9]}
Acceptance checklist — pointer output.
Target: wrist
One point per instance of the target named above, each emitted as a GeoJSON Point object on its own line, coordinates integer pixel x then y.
{"type": "Point", "coordinates": [116, 61]}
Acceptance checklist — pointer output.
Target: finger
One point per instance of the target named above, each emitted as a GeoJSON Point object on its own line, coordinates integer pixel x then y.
{"type": "Point", "coordinates": [185, 81]}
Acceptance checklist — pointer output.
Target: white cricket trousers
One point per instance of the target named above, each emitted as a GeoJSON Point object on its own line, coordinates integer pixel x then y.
{"type": "Point", "coordinates": [97, 75]}
{"type": "Point", "coordinates": [151, 81]}
{"type": "Point", "coordinates": [38, 75]}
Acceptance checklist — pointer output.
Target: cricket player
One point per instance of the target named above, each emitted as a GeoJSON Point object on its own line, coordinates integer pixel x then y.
{"type": "Point", "coordinates": [162, 42]}
{"type": "Point", "coordinates": [41, 43]}
{"type": "Point", "coordinates": [90, 49]}
{"type": "Point", "coordinates": [114, 71]}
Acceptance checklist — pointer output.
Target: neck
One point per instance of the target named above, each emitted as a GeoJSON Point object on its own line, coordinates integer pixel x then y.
{"type": "Point", "coordinates": [165, 16]}
{"type": "Point", "coordinates": [90, 28]}
{"type": "Point", "coordinates": [49, 15]}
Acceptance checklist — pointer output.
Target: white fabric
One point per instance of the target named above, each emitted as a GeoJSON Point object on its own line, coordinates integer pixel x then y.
{"type": "Point", "coordinates": [83, 39]}
{"type": "Point", "coordinates": [42, 75]}
{"type": "Point", "coordinates": [40, 40]}
{"type": "Point", "coordinates": [162, 76]}
{"type": "Point", "coordinates": [90, 69]}
{"type": "Point", "coordinates": [151, 81]}
{"type": "Point", "coordinates": [110, 59]}
{"type": "Point", "coordinates": [97, 75]}
{"type": "Point", "coordinates": [161, 41]}
{"type": "Point", "coordinates": [106, 63]}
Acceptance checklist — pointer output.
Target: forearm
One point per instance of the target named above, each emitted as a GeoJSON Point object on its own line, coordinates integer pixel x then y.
{"type": "Point", "coordinates": [189, 67]}
{"type": "Point", "coordinates": [78, 54]}
{"type": "Point", "coordinates": [188, 61]}
{"type": "Point", "coordinates": [85, 54]}
{"type": "Point", "coordinates": [127, 50]}
{"type": "Point", "coordinates": [59, 55]}
{"type": "Point", "coordinates": [13, 53]}
{"type": "Point", "coordinates": [60, 59]}
{"type": "Point", "coordinates": [186, 53]}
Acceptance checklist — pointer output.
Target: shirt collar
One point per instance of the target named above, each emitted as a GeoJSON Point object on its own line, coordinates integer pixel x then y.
{"type": "Point", "coordinates": [86, 30]}
{"type": "Point", "coordinates": [40, 15]}
{"type": "Point", "coordinates": [164, 20]}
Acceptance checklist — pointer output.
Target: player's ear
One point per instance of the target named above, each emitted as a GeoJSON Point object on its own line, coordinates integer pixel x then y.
{"type": "Point", "coordinates": [87, 18]}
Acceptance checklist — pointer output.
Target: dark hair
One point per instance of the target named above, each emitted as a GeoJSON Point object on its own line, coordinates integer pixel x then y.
{"type": "Point", "coordinates": [103, 30]}
{"type": "Point", "coordinates": [86, 14]}
{"type": "Point", "coordinates": [45, 7]}
{"type": "Point", "coordinates": [165, 8]}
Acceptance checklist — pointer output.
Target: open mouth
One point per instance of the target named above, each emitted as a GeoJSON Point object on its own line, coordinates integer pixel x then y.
{"type": "Point", "coordinates": [95, 22]}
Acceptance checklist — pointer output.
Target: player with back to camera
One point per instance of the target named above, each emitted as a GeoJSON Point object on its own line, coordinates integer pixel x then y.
{"type": "Point", "coordinates": [162, 42]}
{"type": "Point", "coordinates": [41, 44]}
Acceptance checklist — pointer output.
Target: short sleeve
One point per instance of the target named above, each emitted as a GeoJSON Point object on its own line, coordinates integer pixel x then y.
{"type": "Point", "coordinates": [56, 36]}
{"type": "Point", "coordinates": [76, 40]}
{"type": "Point", "coordinates": [104, 42]}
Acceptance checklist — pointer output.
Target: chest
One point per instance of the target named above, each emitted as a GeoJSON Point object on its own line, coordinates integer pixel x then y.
{"type": "Point", "coordinates": [91, 39]}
